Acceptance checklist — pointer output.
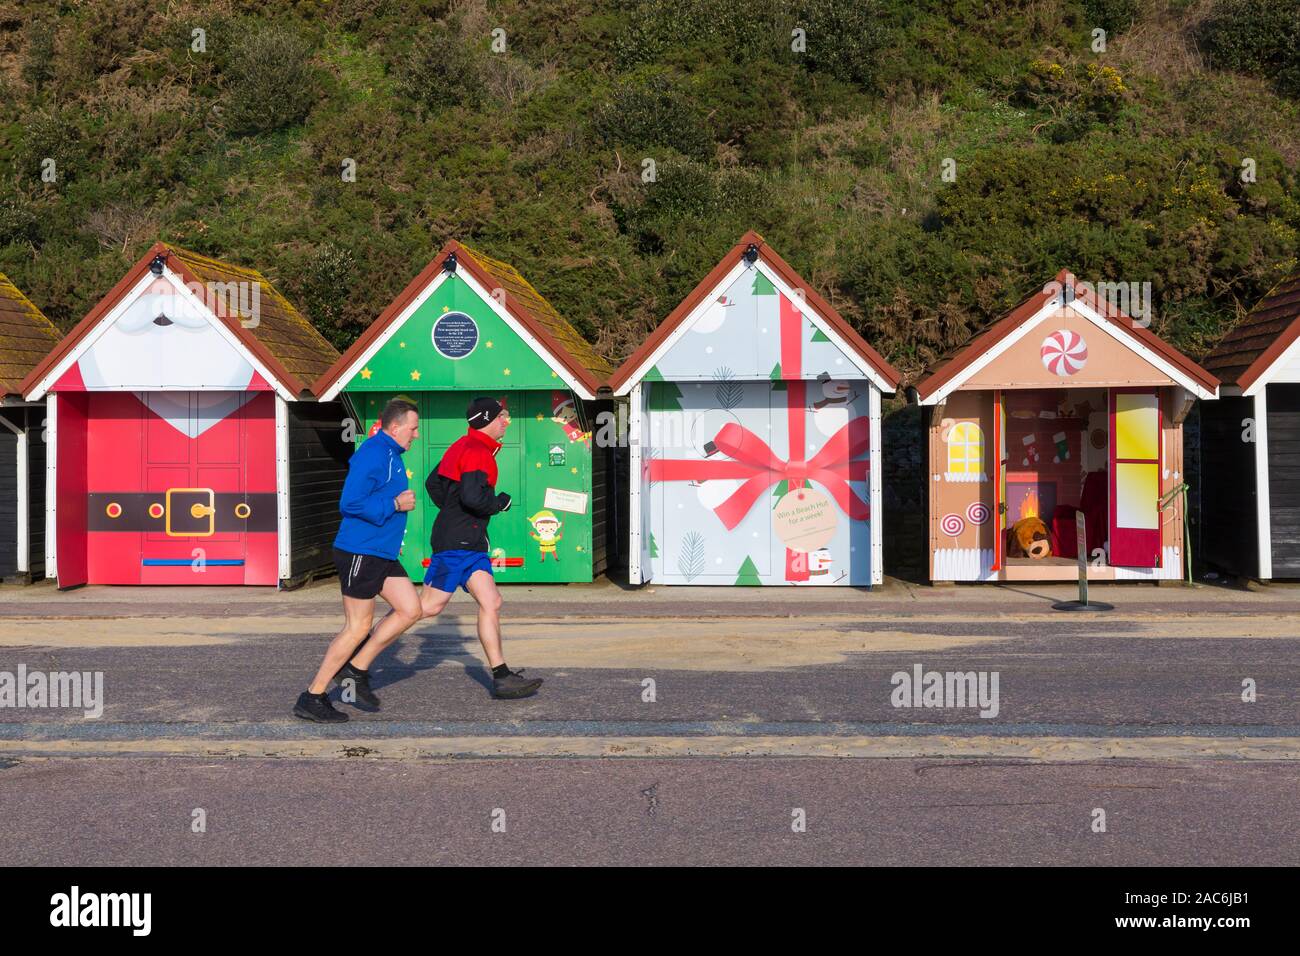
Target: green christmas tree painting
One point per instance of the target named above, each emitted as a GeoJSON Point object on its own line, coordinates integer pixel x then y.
{"type": "Point", "coordinates": [762, 285]}
{"type": "Point", "coordinates": [654, 546]}
{"type": "Point", "coordinates": [665, 397]}
{"type": "Point", "coordinates": [778, 385]}
{"type": "Point", "coordinates": [747, 577]}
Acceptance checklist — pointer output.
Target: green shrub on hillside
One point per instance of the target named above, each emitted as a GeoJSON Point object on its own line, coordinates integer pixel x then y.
{"type": "Point", "coordinates": [1261, 37]}
{"type": "Point", "coordinates": [440, 70]}
{"type": "Point", "coordinates": [651, 114]}
{"type": "Point", "coordinates": [271, 81]}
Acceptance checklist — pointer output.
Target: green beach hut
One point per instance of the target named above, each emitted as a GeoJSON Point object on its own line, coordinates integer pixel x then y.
{"type": "Point", "coordinates": [470, 325]}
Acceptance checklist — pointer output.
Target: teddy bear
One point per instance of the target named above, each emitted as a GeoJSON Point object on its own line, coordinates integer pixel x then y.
{"type": "Point", "coordinates": [1028, 538]}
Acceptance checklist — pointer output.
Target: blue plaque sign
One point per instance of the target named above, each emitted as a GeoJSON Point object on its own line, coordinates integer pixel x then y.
{"type": "Point", "coordinates": [455, 335]}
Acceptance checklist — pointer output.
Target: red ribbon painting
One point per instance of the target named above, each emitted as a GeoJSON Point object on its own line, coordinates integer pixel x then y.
{"type": "Point", "coordinates": [753, 461]}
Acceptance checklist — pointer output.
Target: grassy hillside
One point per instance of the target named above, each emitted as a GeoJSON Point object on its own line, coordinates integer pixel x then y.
{"type": "Point", "coordinates": [1123, 165]}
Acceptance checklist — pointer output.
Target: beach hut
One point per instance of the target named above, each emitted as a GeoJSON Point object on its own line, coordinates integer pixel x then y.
{"type": "Point", "coordinates": [184, 446]}
{"type": "Point", "coordinates": [1064, 406]}
{"type": "Point", "coordinates": [1250, 443]}
{"type": "Point", "coordinates": [470, 325]}
{"type": "Point", "coordinates": [26, 337]}
{"type": "Point", "coordinates": [755, 435]}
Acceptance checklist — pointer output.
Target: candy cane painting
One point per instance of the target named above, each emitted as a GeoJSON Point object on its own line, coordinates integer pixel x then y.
{"type": "Point", "coordinates": [1064, 352]}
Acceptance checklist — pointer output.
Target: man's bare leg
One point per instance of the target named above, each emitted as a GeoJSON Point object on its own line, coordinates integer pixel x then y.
{"type": "Point", "coordinates": [482, 586]}
{"type": "Point", "coordinates": [400, 593]}
{"type": "Point", "coordinates": [357, 615]}
{"type": "Point", "coordinates": [432, 601]}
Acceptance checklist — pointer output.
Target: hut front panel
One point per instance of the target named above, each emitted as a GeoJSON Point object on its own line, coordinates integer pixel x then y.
{"type": "Point", "coordinates": [1066, 349]}
{"type": "Point", "coordinates": [1284, 478]}
{"type": "Point", "coordinates": [963, 468]}
{"type": "Point", "coordinates": [963, 500]}
{"type": "Point", "coordinates": [751, 329]}
{"type": "Point", "coordinates": [545, 465]}
{"type": "Point", "coordinates": [719, 509]}
{"type": "Point", "coordinates": [180, 488]}
{"type": "Point", "coordinates": [454, 341]}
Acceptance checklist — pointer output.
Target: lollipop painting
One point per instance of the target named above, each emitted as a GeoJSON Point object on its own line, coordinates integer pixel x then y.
{"type": "Point", "coordinates": [1064, 352]}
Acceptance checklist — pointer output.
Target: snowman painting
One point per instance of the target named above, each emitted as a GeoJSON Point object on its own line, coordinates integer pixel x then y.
{"type": "Point", "coordinates": [819, 562]}
{"type": "Point", "coordinates": [711, 318]}
{"type": "Point", "coordinates": [832, 410]}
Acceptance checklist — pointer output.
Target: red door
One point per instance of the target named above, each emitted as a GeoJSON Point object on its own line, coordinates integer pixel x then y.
{"type": "Point", "coordinates": [1135, 466]}
{"type": "Point", "coordinates": [182, 488]}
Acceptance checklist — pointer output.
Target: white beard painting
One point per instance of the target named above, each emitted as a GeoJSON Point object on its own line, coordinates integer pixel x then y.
{"type": "Point", "coordinates": [162, 341]}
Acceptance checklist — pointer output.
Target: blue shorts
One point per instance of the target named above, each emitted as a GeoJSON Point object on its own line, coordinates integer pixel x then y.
{"type": "Point", "coordinates": [449, 570]}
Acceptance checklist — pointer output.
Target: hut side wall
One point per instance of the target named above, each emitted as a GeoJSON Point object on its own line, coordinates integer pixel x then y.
{"type": "Point", "coordinates": [1230, 541]}
{"type": "Point", "coordinates": [318, 465]}
{"type": "Point", "coordinates": [1284, 478]}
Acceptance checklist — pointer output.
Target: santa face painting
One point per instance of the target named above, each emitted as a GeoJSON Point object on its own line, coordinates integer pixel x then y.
{"type": "Point", "coordinates": [163, 340]}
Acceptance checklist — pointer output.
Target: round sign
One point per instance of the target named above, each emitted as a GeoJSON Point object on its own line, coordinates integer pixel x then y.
{"type": "Point", "coordinates": [455, 335]}
{"type": "Point", "coordinates": [805, 520]}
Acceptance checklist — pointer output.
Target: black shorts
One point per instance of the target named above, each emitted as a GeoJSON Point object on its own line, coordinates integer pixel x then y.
{"type": "Point", "coordinates": [363, 575]}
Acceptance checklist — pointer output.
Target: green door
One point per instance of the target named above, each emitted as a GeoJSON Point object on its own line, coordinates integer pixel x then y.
{"type": "Point", "coordinates": [539, 462]}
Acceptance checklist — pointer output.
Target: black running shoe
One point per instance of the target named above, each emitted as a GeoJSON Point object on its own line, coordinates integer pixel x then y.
{"type": "Point", "coordinates": [514, 686]}
{"type": "Point", "coordinates": [317, 707]}
{"type": "Point", "coordinates": [365, 699]}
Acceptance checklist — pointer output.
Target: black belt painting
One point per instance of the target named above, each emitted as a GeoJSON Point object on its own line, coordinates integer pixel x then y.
{"type": "Point", "coordinates": [181, 512]}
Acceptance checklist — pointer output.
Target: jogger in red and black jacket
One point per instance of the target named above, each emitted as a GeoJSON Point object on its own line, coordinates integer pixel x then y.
{"type": "Point", "coordinates": [464, 488]}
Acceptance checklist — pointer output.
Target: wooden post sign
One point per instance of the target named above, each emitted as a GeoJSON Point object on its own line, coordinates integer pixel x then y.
{"type": "Point", "coordinates": [1081, 535]}
{"type": "Point", "coordinates": [1083, 604]}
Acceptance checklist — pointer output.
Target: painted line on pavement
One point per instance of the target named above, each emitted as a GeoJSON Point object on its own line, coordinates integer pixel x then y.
{"type": "Point", "coordinates": [1027, 749]}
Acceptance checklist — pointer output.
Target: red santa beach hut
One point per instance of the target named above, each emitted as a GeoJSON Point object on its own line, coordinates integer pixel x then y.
{"type": "Point", "coordinates": [184, 446]}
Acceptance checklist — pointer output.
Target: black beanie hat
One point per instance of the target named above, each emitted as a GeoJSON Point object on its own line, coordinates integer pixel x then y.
{"type": "Point", "coordinates": [482, 411]}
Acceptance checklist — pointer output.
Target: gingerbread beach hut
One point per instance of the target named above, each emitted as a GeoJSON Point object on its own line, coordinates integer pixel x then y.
{"type": "Point", "coordinates": [1064, 406]}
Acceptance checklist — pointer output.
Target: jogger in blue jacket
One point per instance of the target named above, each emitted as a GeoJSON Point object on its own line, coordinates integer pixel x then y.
{"type": "Point", "coordinates": [375, 501]}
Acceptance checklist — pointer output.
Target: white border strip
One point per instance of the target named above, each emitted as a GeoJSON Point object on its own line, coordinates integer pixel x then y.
{"type": "Point", "coordinates": [1263, 504]}
{"type": "Point", "coordinates": [634, 516]}
{"type": "Point", "coordinates": [877, 493]}
{"type": "Point", "coordinates": [283, 527]}
{"type": "Point", "coordinates": [51, 485]}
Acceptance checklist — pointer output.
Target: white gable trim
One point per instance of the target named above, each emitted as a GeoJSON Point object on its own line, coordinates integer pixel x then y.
{"type": "Point", "coordinates": [364, 358]}
{"type": "Point", "coordinates": [861, 364]}
{"type": "Point", "coordinates": [1092, 316]}
{"type": "Point", "coordinates": [990, 355]}
{"type": "Point", "coordinates": [414, 306]}
{"type": "Point", "coordinates": [1278, 371]}
{"type": "Point", "coordinates": [1149, 356]}
{"type": "Point", "coordinates": [517, 327]}
{"type": "Point", "coordinates": [124, 303]}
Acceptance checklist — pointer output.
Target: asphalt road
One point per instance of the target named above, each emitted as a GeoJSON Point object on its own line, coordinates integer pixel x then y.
{"type": "Point", "coordinates": [759, 707]}
{"type": "Point", "coordinates": [635, 812]}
